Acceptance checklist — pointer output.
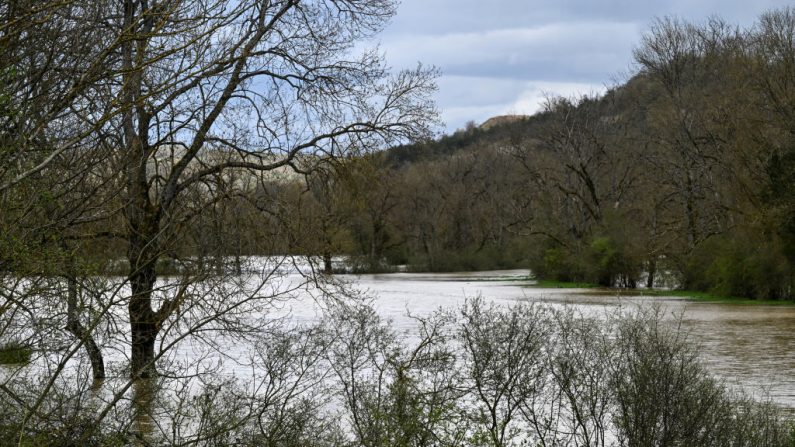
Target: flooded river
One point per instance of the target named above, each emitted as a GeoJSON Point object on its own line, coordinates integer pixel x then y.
{"type": "Point", "coordinates": [750, 345]}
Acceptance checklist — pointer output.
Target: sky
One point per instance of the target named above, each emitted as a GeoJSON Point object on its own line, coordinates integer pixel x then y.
{"type": "Point", "coordinates": [503, 56]}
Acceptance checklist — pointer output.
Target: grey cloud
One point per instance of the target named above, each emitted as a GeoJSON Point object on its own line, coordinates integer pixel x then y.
{"type": "Point", "coordinates": [479, 98]}
{"type": "Point", "coordinates": [444, 16]}
{"type": "Point", "coordinates": [473, 91]}
{"type": "Point", "coordinates": [500, 48]}
{"type": "Point", "coordinates": [558, 51]}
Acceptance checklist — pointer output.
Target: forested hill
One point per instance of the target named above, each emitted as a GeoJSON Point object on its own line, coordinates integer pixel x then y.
{"type": "Point", "coordinates": [622, 100]}
{"type": "Point", "coordinates": [681, 176]}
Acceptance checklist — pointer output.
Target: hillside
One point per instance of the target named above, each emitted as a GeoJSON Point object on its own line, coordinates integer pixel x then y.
{"type": "Point", "coordinates": [683, 169]}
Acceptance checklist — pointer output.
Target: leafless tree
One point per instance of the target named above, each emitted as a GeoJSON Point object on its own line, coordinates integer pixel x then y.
{"type": "Point", "coordinates": [248, 86]}
{"type": "Point", "coordinates": [503, 358]}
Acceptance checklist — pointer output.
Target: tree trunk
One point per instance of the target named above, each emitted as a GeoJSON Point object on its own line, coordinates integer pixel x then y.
{"type": "Point", "coordinates": [142, 361]}
{"type": "Point", "coordinates": [143, 323]}
{"type": "Point", "coordinates": [328, 268]}
{"type": "Point", "coordinates": [142, 216]}
{"type": "Point", "coordinates": [652, 272]}
{"type": "Point", "coordinates": [691, 215]}
{"type": "Point", "coordinates": [428, 254]}
{"type": "Point", "coordinates": [376, 245]}
{"type": "Point", "coordinates": [143, 255]}
{"type": "Point", "coordinates": [74, 326]}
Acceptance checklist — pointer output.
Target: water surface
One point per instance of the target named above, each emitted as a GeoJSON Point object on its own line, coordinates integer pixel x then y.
{"type": "Point", "coordinates": [749, 345]}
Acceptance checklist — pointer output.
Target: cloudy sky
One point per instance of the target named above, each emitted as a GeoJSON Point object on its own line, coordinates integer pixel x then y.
{"type": "Point", "coordinates": [501, 56]}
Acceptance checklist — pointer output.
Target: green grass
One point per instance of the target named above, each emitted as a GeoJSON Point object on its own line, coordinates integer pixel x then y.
{"type": "Point", "coordinates": [491, 278]}
{"type": "Point", "coordinates": [690, 294]}
{"type": "Point", "coordinates": [712, 298]}
{"type": "Point", "coordinates": [14, 354]}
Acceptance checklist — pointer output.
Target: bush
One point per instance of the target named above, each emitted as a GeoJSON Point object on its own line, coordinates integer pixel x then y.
{"type": "Point", "coordinates": [742, 265]}
{"type": "Point", "coordinates": [611, 265]}
{"type": "Point", "coordinates": [14, 353]}
{"type": "Point", "coordinates": [602, 261]}
{"type": "Point", "coordinates": [557, 264]}
{"type": "Point", "coordinates": [555, 377]}
{"type": "Point", "coordinates": [664, 396]}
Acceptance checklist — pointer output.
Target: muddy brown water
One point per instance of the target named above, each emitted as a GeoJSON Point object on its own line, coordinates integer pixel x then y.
{"type": "Point", "coordinates": [748, 345]}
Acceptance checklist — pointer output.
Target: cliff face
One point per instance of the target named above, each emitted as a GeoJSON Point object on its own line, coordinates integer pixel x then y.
{"type": "Point", "coordinates": [501, 119]}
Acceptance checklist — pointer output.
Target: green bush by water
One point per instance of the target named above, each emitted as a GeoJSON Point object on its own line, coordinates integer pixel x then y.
{"type": "Point", "coordinates": [14, 354]}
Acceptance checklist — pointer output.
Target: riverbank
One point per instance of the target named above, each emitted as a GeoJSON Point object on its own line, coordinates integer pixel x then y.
{"type": "Point", "coordinates": [712, 298]}
{"type": "Point", "coordinates": [689, 294]}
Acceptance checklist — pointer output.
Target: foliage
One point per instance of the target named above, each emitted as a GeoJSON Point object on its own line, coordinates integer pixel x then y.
{"type": "Point", "coordinates": [14, 353]}
{"type": "Point", "coordinates": [743, 265]}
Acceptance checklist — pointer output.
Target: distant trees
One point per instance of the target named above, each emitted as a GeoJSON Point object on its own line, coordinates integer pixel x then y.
{"type": "Point", "coordinates": [665, 179]}
{"type": "Point", "coordinates": [679, 175]}
{"type": "Point", "coordinates": [582, 172]}
{"type": "Point", "coordinates": [449, 212]}
{"type": "Point", "coordinates": [712, 139]}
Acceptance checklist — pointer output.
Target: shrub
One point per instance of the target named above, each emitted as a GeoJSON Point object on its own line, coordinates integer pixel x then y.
{"type": "Point", "coordinates": [611, 265]}
{"type": "Point", "coordinates": [740, 265]}
{"type": "Point", "coordinates": [14, 353]}
{"type": "Point", "coordinates": [557, 264]}
{"type": "Point", "coordinates": [664, 396]}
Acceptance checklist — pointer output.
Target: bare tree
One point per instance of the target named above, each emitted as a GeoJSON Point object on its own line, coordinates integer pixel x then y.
{"type": "Point", "coordinates": [396, 392]}
{"type": "Point", "coordinates": [503, 359]}
{"type": "Point", "coordinates": [208, 88]}
{"type": "Point", "coordinates": [57, 60]}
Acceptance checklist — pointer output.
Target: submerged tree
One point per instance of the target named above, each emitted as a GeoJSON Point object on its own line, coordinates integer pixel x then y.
{"type": "Point", "coordinates": [122, 122]}
{"type": "Point", "coordinates": [204, 89]}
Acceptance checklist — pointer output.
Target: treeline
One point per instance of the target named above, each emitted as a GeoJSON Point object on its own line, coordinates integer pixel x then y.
{"type": "Point", "coordinates": [681, 176]}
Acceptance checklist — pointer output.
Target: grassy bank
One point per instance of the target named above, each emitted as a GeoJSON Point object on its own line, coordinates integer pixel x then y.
{"type": "Point", "coordinates": [711, 298]}
{"type": "Point", "coordinates": [690, 294]}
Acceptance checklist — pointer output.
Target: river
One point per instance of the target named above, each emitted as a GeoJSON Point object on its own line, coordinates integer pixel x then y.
{"type": "Point", "coordinates": [748, 345]}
